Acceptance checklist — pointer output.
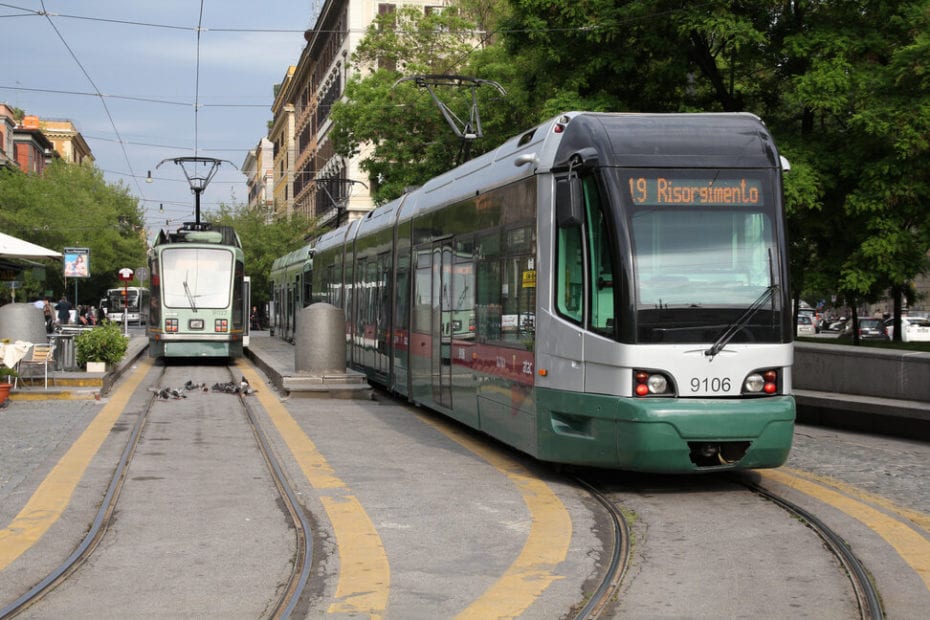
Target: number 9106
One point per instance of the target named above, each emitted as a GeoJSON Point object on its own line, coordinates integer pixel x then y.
{"type": "Point", "coordinates": [710, 384]}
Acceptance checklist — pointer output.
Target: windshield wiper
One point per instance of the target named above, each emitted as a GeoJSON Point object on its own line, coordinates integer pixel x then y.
{"type": "Point", "coordinates": [190, 297]}
{"type": "Point", "coordinates": [741, 322]}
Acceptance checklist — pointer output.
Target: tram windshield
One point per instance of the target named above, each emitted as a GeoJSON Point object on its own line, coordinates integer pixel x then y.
{"type": "Point", "coordinates": [197, 278]}
{"type": "Point", "coordinates": [704, 247]}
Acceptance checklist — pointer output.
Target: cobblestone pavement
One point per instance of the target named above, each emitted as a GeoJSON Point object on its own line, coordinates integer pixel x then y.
{"type": "Point", "coordinates": [35, 434]}
{"type": "Point", "coordinates": [891, 467]}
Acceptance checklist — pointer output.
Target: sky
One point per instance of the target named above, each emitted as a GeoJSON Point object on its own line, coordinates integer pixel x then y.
{"type": "Point", "coordinates": [129, 73]}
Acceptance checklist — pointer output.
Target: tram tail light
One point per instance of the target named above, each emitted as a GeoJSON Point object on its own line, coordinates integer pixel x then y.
{"type": "Point", "coordinates": [221, 325]}
{"type": "Point", "coordinates": [171, 325]}
{"type": "Point", "coordinates": [762, 382]}
{"type": "Point", "coordinates": [651, 384]}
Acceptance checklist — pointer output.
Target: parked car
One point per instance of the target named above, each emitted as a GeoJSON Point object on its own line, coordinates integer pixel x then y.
{"type": "Point", "coordinates": [870, 328]}
{"type": "Point", "coordinates": [913, 328]}
{"type": "Point", "coordinates": [805, 326]}
{"type": "Point", "coordinates": [835, 325]}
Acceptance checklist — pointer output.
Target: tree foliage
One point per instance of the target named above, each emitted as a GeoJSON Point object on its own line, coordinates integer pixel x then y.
{"type": "Point", "coordinates": [72, 206]}
{"type": "Point", "coordinates": [843, 85]}
{"type": "Point", "coordinates": [262, 243]}
{"type": "Point", "coordinates": [395, 125]}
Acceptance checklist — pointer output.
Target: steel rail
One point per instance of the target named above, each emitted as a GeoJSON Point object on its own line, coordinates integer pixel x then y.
{"type": "Point", "coordinates": [304, 555]}
{"type": "Point", "coordinates": [304, 560]}
{"type": "Point", "coordinates": [99, 527]}
{"type": "Point", "coordinates": [867, 597]}
{"type": "Point", "coordinates": [619, 558]}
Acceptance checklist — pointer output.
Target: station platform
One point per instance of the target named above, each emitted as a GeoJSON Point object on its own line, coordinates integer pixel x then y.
{"type": "Point", "coordinates": [273, 356]}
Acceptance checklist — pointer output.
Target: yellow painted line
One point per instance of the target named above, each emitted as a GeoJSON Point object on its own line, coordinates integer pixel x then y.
{"type": "Point", "coordinates": [920, 519]}
{"type": "Point", "coordinates": [54, 493]}
{"type": "Point", "coordinates": [913, 548]}
{"type": "Point", "coordinates": [364, 580]}
{"type": "Point", "coordinates": [546, 545]}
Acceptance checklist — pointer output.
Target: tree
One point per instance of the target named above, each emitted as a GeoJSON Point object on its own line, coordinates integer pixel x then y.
{"type": "Point", "coordinates": [842, 85]}
{"type": "Point", "coordinates": [72, 206]}
{"type": "Point", "coordinates": [397, 127]}
{"type": "Point", "coordinates": [262, 243]}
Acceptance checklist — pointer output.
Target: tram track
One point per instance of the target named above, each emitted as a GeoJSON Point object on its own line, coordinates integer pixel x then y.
{"type": "Point", "coordinates": [619, 555]}
{"type": "Point", "coordinates": [867, 596]}
{"type": "Point", "coordinates": [289, 593]}
{"type": "Point", "coordinates": [606, 598]}
{"type": "Point", "coordinates": [96, 532]}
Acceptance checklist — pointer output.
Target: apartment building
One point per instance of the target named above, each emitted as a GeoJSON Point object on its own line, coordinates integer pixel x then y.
{"type": "Point", "coordinates": [7, 127]}
{"type": "Point", "coordinates": [310, 178]}
{"type": "Point", "coordinates": [258, 168]}
{"type": "Point", "coordinates": [32, 150]}
{"type": "Point", "coordinates": [30, 143]}
{"type": "Point", "coordinates": [281, 136]}
{"type": "Point", "coordinates": [67, 140]}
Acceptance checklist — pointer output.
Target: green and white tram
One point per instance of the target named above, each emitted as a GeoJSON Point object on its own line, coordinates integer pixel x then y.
{"type": "Point", "coordinates": [199, 296]}
{"type": "Point", "coordinates": [623, 278]}
{"type": "Point", "coordinates": [290, 290]}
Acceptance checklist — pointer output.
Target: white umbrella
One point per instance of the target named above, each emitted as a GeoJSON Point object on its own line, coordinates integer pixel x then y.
{"type": "Point", "coordinates": [11, 247]}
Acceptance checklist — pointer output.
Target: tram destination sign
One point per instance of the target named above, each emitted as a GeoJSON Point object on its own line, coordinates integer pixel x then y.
{"type": "Point", "coordinates": [664, 191]}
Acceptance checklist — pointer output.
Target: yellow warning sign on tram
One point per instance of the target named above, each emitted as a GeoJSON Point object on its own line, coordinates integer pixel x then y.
{"type": "Point", "coordinates": [529, 278]}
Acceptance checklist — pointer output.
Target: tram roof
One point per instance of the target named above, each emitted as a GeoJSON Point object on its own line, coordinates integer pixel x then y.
{"type": "Point", "coordinates": [701, 140]}
{"type": "Point", "coordinates": [639, 140]}
{"type": "Point", "coordinates": [200, 233]}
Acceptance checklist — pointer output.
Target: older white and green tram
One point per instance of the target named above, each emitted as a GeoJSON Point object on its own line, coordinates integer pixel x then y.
{"type": "Point", "coordinates": [290, 291]}
{"type": "Point", "coordinates": [603, 289]}
{"type": "Point", "coordinates": [199, 295]}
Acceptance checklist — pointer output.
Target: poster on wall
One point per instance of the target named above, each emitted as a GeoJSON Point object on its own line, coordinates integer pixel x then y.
{"type": "Point", "coordinates": [77, 262]}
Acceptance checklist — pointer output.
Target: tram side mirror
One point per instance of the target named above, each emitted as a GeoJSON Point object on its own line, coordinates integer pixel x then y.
{"type": "Point", "coordinates": [569, 201]}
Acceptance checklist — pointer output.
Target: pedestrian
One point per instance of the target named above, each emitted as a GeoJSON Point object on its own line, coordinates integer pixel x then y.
{"type": "Point", "coordinates": [49, 315]}
{"type": "Point", "coordinates": [63, 308]}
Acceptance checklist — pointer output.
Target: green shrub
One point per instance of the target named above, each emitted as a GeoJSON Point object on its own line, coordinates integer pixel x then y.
{"type": "Point", "coordinates": [101, 344]}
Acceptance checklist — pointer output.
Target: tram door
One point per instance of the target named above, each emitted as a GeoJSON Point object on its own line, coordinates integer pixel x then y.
{"type": "Point", "coordinates": [441, 324]}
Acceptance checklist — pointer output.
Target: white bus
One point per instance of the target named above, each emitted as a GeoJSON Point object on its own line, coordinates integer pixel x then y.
{"type": "Point", "coordinates": [133, 299]}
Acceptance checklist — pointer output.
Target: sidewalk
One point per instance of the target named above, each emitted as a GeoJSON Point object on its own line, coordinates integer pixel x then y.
{"type": "Point", "coordinates": [78, 385]}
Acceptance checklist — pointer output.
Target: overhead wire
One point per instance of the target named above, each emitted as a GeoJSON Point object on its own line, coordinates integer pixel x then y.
{"type": "Point", "coordinates": [131, 98]}
{"type": "Point", "coordinates": [197, 83]}
{"type": "Point", "coordinates": [96, 92]}
{"type": "Point", "coordinates": [103, 102]}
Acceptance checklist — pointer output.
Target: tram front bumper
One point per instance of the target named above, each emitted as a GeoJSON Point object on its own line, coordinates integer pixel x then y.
{"type": "Point", "coordinates": [667, 434]}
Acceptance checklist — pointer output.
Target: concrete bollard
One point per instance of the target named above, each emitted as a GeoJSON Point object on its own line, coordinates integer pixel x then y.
{"type": "Point", "coordinates": [320, 340]}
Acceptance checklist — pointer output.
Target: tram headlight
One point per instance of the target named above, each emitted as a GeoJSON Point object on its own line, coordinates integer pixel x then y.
{"type": "Point", "coordinates": [754, 383]}
{"type": "Point", "coordinates": [761, 382]}
{"type": "Point", "coordinates": [650, 383]}
{"type": "Point", "coordinates": [657, 384]}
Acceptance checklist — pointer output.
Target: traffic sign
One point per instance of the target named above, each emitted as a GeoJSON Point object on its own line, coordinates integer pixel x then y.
{"type": "Point", "coordinates": [125, 274]}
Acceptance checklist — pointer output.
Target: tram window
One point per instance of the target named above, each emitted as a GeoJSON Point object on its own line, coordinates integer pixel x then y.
{"type": "Point", "coordinates": [518, 299]}
{"type": "Point", "coordinates": [580, 248]}
{"type": "Point", "coordinates": [488, 289]}
{"type": "Point", "coordinates": [570, 273]}
{"type": "Point", "coordinates": [602, 268]}
{"type": "Point", "coordinates": [422, 292]}
{"type": "Point", "coordinates": [463, 290]}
